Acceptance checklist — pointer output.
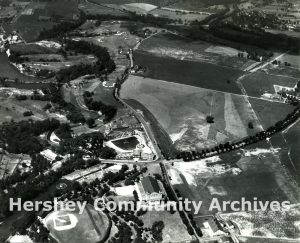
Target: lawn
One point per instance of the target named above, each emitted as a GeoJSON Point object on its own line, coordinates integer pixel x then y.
{"type": "Point", "coordinates": [181, 110]}
{"type": "Point", "coordinates": [198, 74]}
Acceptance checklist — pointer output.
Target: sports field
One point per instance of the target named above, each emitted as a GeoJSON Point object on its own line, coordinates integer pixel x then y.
{"type": "Point", "coordinates": [90, 226]}
{"type": "Point", "coordinates": [182, 110]}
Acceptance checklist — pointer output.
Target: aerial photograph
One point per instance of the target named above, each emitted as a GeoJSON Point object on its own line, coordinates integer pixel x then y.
{"type": "Point", "coordinates": [148, 121]}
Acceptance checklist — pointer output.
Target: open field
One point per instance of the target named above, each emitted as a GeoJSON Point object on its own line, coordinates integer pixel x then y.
{"type": "Point", "coordinates": [247, 173]}
{"type": "Point", "coordinates": [174, 230]}
{"type": "Point", "coordinates": [282, 70]}
{"type": "Point", "coordinates": [181, 110]}
{"type": "Point", "coordinates": [199, 74]}
{"type": "Point", "coordinates": [282, 224]}
{"type": "Point", "coordinates": [90, 226]}
{"type": "Point", "coordinates": [171, 45]}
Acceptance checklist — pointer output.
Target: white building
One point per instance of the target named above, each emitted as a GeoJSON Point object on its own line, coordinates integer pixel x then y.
{"type": "Point", "coordinates": [150, 190]}
{"type": "Point", "coordinates": [49, 154]}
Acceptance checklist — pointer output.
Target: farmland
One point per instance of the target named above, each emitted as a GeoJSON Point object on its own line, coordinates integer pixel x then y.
{"type": "Point", "coordinates": [199, 74]}
{"type": "Point", "coordinates": [181, 110]}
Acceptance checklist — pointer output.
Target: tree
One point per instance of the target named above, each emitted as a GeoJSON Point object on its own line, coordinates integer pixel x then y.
{"type": "Point", "coordinates": [250, 125]}
{"type": "Point", "coordinates": [90, 122]}
{"type": "Point", "coordinates": [210, 119]}
{"type": "Point", "coordinates": [108, 153]}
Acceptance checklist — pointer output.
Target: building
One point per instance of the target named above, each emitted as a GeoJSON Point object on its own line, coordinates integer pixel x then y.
{"type": "Point", "coordinates": [210, 228]}
{"type": "Point", "coordinates": [49, 155]}
{"type": "Point", "coordinates": [150, 190]}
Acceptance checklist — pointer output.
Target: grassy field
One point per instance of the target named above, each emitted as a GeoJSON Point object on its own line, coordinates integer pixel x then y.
{"type": "Point", "coordinates": [181, 110]}
{"type": "Point", "coordinates": [90, 226]}
{"type": "Point", "coordinates": [171, 45]}
{"type": "Point", "coordinates": [270, 112]}
{"type": "Point", "coordinates": [259, 83]}
{"type": "Point", "coordinates": [174, 231]}
{"type": "Point", "coordinates": [198, 74]}
{"type": "Point", "coordinates": [248, 173]}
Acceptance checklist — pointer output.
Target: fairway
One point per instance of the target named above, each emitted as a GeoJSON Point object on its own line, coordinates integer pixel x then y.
{"type": "Point", "coordinates": [198, 74]}
{"type": "Point", "coordinates": [182, 110]}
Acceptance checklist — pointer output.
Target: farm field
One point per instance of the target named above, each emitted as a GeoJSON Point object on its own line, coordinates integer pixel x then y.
{"type": "Point", "coordinates": [171, 45]}
{"type": "Point", "coordinates": [90, 226]}
{"type": "Point", "coordinates": [259, 83]}
{"type": "Point", "coordinates": [282, 70]}
{"type": "Point", "coordinates": [199, 74]}
{"type": "Point", "coordinates": [248, 173]}
{"type": "Point", "coordinates": [181, 110]}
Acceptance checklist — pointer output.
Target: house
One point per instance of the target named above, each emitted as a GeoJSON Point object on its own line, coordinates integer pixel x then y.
{"type": "Point", "coordinates": [211, 228]}
{"type": "Point", "coordinates": [49, 154]}
{"type": "Point", "coordinates": [150, 190]}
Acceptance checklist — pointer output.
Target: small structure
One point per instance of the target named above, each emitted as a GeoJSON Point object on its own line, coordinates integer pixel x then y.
{"type": "Point", "coordinates": [150, 190]}
{"type": "Point", "coordinates": [211, 228]}
{"type": "Point", "coordinates": [49, 155]}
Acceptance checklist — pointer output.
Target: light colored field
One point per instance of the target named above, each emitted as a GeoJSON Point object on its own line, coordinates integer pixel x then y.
{"type": "Point", "coordinates": [282, 224]}
{"type": "Point", "coordinates": [90, 226]}
{"type": "Point", "coordinates": [249, 173]}
{"type": "Point", "coordinates": [182, 17]}
{"type": "Point", "coordinates": [142, 8]}
{"type": "Point", "coordinates": [9, 163]}
{"type": "Point", "coordinates": [181, 110]}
